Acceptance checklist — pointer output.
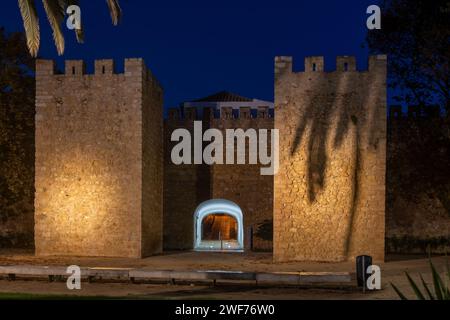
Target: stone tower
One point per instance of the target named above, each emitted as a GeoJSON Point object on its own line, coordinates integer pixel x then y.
{"type": "Point", "coordinates": [329, 194]}
{"type": "Point", "coordinates": [99, 169]}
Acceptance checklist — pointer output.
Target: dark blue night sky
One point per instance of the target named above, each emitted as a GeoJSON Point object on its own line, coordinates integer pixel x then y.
{"type": "Point", "coordinates": [196, 48]}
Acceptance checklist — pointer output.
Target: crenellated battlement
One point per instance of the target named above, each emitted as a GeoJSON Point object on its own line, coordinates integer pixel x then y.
{"type": "Point", "coordinates": [395, 112]}
{"type": "Point", "coordinates": [226, 113]}
{"type": "Point", "coordinates": [284, 64]}
{"type": "Point", "coordinates": [414, 112]}
{"type": "Point", "coordinates": [133, 68]}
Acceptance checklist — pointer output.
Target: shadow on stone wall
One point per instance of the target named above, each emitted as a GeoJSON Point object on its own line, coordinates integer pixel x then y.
{"type": "Point", "coordinates": [322, 121]}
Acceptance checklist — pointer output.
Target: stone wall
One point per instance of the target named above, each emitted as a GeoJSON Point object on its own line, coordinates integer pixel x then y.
{"type": "Point", "coordinates": [244, 184]}
{"type": "Point", "coordinates": [185, 187]}
{"type": "Point", "coordinates": [152, 165]}
{"type": "Point", "coordinates": [94, 139]}
{"type": "Point", "coordinates": [329, 197]}
{"type": "Point", "coordinates": [100, 175]}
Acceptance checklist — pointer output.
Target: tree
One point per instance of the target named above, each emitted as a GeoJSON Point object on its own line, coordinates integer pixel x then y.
{"type": "Point", "coordinates": [415, 35]}
{"type": "Point", "coordinates": [56, 11]}
{"type": "Point", "coordinates": [16, 141]}
{"type": "Point", "coordinates": [16, 67]}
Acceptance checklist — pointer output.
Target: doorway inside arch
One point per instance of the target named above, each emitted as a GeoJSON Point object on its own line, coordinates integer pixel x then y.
{"type": "Point", "coordinates": [218, 226]}
{"type": "Point", "coordinates": [219, 231]}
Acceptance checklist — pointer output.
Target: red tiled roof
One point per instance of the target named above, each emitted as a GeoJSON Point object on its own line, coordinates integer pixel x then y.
{"type": "Point", "coordinates": [223, 96]}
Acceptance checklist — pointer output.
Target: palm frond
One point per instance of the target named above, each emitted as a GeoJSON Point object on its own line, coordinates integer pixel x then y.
{"type": "Point", "coordinates": [115, 10]}
{"type": "Point", "coordinates": [55, 15]}
{"type": "Point", "coordinates": [79, 33]}
{"type": "Point", "coordinates": [31, 25]}
{"type": "Point", "coordinates": [56, 11]}
{"type": "Point", "coordinates": [63, 4]}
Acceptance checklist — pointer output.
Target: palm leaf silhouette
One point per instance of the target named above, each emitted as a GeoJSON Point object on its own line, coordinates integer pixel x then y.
{"type": "Point", "coordinates": [55, 11]}
{"type": "Point", "coordinates": [31, 25]}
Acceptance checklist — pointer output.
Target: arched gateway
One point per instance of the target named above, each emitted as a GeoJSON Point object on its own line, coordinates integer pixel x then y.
{"type": "Point", "coordinates": [218, 226]}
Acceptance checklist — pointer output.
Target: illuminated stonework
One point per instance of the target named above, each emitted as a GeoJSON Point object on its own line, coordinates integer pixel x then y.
{"type": "Point", "coordinates": [98, 161]}
{"type": "Point", "coordinates": [329, 195]}
{"type": "Point", "coordinates": [100, 173]}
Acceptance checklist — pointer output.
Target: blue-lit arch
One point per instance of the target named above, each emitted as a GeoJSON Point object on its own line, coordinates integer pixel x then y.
{"type": "Point", "coordinates": [218, 206]}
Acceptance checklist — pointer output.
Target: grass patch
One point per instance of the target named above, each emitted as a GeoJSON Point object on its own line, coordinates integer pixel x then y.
{"type": "Point", "coordinates": [66, 297]}
{"type": "Point", "coordinates": [32, 296]}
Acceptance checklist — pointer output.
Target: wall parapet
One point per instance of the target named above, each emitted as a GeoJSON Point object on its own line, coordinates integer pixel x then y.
{"type": "Point", "coordinates": [284, 64]}
{"type": "Point", "coordinates": [415, 112]}
{"type": "Point", "coordinates": [395, 112]}
{"type": "Point", "coordinates": [229, 114]}
{"type": "Point", "coordinates": [102, 68]}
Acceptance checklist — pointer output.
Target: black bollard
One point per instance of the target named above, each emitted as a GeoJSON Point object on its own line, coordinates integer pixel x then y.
{"type": "Point", "coordinates": [362, 263]}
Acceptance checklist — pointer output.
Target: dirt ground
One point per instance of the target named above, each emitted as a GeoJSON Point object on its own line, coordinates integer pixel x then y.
{"type": "Point", "coordinates": [392, 271]}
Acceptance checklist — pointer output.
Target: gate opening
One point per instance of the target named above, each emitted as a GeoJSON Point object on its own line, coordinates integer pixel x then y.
{"type": "Point", "coordinates": [218, 226]}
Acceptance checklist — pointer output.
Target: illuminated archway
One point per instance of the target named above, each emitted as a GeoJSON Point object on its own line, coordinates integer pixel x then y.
{"type": "Point", "coordinates": [218, 207]}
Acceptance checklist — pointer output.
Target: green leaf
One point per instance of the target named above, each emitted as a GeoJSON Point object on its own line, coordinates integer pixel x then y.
{"type": "Point", "coordinates": [437, 281]}
{"type": "Point", "coordinates": [448, 275]}
{"type": "Point", "coordinates": [430, 295]}
{"type": "Point", "coordinates": [416, 289]}
{"type": "Point", "coordinates": [448, 266]}
{"type": "Point", "coordinates": [400, 294]}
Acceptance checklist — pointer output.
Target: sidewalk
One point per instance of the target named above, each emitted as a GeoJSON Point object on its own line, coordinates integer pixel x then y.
{"type": "Point", "coordinates": [186, 261]}
{"type": "Point", "coordinates": [392, 271]}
